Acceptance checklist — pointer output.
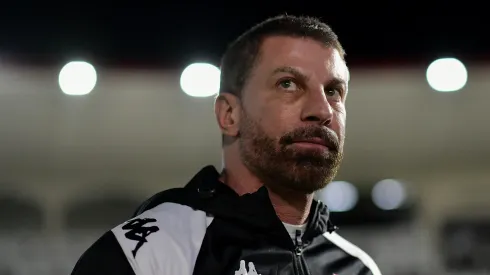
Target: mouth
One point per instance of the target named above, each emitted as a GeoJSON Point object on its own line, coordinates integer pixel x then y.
{"type": "Point", "coordinates": [312, 143]}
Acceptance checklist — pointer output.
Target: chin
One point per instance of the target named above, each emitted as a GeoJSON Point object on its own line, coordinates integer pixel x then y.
{"type": "Point", "coordinates": [308, 178]}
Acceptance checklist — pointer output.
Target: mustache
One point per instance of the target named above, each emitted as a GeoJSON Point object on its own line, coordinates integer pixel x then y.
{"type": "Point", "coordinates": [327, 135]}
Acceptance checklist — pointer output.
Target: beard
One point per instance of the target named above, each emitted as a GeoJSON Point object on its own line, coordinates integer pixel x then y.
{"type": "Point", "coordinates": [282, 167]}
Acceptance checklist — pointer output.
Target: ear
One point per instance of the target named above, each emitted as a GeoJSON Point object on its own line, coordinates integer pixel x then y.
{"type": "Point", "coordinates": [227, 111]}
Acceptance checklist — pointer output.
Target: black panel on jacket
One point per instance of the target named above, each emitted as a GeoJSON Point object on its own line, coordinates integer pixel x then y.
{"type": "Point", "coordinates": [104, 257]}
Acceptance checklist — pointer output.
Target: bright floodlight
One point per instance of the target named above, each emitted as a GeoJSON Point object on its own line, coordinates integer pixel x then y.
{"type": "Point", "coordinates": [77, 78]}
{"type": "Point", "coordinates": [447, 75]}
{"type": "Point", "coordinates": [200, 80]}
{"type": "Point", "coordinates": [339, 196]}
{"type": "Point", "coordinates": [389, 194]}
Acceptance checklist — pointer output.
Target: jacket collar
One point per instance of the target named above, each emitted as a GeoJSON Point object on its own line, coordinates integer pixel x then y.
{"type": "Point", "coordinates": [253, 210]}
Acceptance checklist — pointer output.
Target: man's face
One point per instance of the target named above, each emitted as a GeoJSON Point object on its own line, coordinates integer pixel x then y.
{"type": "Point", "coordinates": [292, 124]}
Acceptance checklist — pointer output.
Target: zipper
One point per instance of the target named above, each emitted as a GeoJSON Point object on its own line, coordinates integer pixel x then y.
{"type": "Point", "coordinates": [300, 268]}
{"type": "Point", "coordinates": [298, 243]}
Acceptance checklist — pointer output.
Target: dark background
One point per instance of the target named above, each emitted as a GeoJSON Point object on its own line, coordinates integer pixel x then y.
{"type": "Point", "coordinates": [169, 34]}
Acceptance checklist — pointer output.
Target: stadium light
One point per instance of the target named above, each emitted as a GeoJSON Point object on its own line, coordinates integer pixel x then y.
{"type": "Point", "coordinates": [339, 196]}
{"type": "Point", "coordinates": [447, 75]}
{"type": "Point", "coordinates": [200, 80]}
{"type": "Point", "coordinates": [77, 78]}
{"type": "Point", "coordinates": [389, 194]}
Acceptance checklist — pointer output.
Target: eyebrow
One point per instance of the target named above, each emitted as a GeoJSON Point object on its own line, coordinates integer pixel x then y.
{"type": "Point", "coordinates": [297, 74]}
{"type": "Point", "coordinates": [290, 70]}
{"type": "Point", "coordinates": [336, 82]}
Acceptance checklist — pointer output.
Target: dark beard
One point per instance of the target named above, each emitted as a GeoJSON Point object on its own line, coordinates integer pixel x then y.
{"type": "Point", "coordinates": [281, 167]}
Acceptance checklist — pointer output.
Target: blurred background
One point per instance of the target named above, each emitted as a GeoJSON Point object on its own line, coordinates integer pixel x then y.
{"type": "Point", "coordinates": [101, 108]}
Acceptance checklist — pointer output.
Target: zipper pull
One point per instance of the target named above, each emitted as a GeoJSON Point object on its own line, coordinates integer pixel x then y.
{"type": "Point", "coordinates": [298, 243]}
{"type": "Point", "coordinates": [331, 227]}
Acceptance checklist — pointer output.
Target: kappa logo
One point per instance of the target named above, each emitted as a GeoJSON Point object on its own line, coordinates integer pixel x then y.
{"type": "Point", "coordinates": [243, 269]}
{"type": "Point", "coordinates": [138, 232]}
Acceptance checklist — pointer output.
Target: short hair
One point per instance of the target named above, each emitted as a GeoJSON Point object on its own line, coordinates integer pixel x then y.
{"type": "Point", "coordinates": [243, 53]}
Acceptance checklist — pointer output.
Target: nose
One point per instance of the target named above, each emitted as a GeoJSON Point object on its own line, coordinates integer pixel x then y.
{"type": "Point", "coordinates": [317, 108]}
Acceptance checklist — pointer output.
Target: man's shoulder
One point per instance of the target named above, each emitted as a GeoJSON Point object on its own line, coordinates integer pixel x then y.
{"type": "Point", "coordinates": [167, 232]}
{"type": "Point", "coordinates": [105, 256]}
{"type": "Point", "coordinates": [353, 250]}
{"type": "Point", "coordinates": [169, 218]}
{"type": "Point", "coordinates": [174, 195]}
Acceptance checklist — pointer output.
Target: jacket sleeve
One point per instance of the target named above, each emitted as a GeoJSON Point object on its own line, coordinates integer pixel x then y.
{"type": "Point", "coordinates": [104, 257]}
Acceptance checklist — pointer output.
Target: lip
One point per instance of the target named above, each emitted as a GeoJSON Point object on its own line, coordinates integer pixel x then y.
{"type": "Point", "coordinates": [312, 141]}
{"type": "Point", "coordinates": [311, 144]}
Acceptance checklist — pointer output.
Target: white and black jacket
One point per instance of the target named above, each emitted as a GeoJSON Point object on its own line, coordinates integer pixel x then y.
{"type": "Point", "coordinates": [205, 228]}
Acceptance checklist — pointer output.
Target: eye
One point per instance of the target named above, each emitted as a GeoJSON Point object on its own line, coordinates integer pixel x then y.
{"type": "Point", "coordinates": [288, 85]}
{"type": "Point", "coordinates": [334, 93]}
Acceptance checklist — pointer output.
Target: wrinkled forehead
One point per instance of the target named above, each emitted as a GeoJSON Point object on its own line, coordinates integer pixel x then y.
{"type": "Point", "coordinates": [308, 56]}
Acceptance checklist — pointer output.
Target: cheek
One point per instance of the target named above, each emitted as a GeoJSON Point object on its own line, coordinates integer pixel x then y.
{"type": "Point", "coordinates": [274, 121]}
{"type": "Point", "coordinates": [272, 126]}
{"type": "Point", "coordinates": [339, 124]}
{"type": "Point", "coordinates": [285, 121]}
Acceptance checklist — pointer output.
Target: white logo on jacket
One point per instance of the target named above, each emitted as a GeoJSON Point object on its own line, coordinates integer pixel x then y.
{"type": "Point", "coordinates": [243, 269]}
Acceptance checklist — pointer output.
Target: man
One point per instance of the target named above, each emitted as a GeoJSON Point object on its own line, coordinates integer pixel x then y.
{"type": "Point", "coordinates": [281, 110]}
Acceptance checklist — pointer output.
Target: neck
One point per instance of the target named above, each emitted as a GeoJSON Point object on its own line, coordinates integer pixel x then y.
{"type": "Point", "coordinates": [290, 207]}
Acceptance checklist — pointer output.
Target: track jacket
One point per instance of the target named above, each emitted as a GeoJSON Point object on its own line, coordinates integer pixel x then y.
{"type": "Point", "coordinates": [205, 228]}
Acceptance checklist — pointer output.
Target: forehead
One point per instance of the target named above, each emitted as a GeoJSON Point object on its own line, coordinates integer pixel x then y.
{"type": "Point", "coordinates": [306, 55]}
